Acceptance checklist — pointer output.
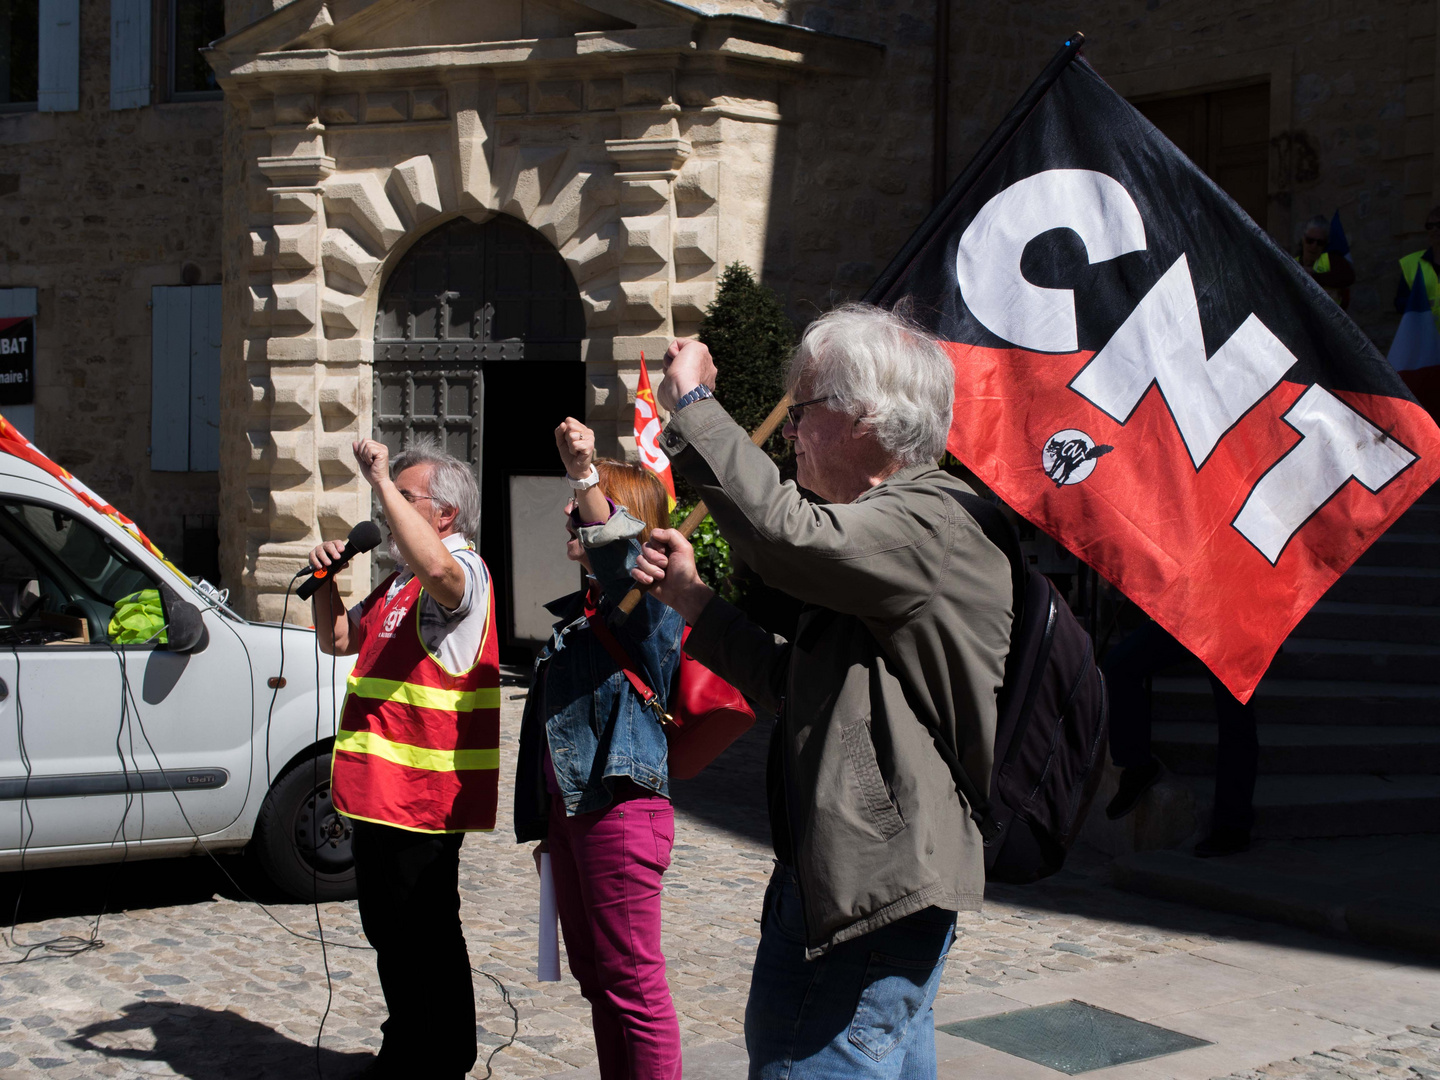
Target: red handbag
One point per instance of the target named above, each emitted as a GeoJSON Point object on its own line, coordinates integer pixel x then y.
{"type": "Point", "coordinates": [707, 715]}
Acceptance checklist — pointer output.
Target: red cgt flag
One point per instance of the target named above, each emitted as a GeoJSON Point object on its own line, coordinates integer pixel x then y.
{"type": "Point", "coordinates": [1145, 375]}
{"type": "Point", "coordinates": [647, 434]}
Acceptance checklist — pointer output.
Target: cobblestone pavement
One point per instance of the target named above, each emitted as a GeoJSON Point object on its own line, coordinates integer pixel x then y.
{"type": "Point", "coordinates": [195, 980]}
{"type": "Point", "coordinates": [1413, 1053]}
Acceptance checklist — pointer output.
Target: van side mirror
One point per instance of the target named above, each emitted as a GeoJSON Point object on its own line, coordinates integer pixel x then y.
{"type": "Point", "coordinates": [184, 627]}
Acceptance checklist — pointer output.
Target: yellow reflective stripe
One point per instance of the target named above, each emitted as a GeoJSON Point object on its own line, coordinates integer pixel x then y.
{"type": "Point", "coordinates": [416, 757]}
{"type": "Point", "coordinates": [425, 697]}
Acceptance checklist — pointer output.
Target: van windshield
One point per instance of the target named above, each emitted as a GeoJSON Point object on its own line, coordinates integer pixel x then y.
{"type": "Point", "coordinates": [60, 579]}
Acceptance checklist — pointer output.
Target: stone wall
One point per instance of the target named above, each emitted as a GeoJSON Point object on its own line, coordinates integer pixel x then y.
{"type": "Point", "coordinates": [96, 207]}
{"type": "Point", "coordinates": [1353, 120]}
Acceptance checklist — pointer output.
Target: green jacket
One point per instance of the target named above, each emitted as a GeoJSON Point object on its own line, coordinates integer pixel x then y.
{"type": "Point", "coordinates": [902, 641]}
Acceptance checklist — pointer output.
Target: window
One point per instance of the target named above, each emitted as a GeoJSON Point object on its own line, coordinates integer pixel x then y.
{"type": "Point", "coordinates": [1226, 133]}
{"type": "Point", "coordinates": [60, 579]}
{"type": "Point", "coordinates": [194, 24]}
{"type": "Point", "coordinates": [185, 378]}
{"type": "Point", "coordinates": [19, 52]}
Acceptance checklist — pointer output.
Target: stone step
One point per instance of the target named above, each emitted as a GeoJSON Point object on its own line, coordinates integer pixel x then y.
{"type": "Point", "coordinates": [1395, 548]}
{"type": "Point", "coordinates": [1380, 889]}
{"type": "Point", "coordinates": [1421, 517]}
{"type": "Point", "coordinates": [1328, 805]}
{"type": "Point", "coordinates": [1362, 661]}
{"type": "Point", "coordinates": [1306, 701]}
{"type": "Point", "coordinates": [1371, 622]}
{"type": "Point", "coordinates": [1388, 585]}
{"type": "Point", "coordinates": [1188, 748]}
{"type": "Point", "coordinates": [1338, 659]}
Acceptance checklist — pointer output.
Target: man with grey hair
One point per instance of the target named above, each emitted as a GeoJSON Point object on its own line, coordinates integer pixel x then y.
{"type": "Point", "coordinates": [898, 654]}
{"type": "Point", "coordinates": [416, 756]}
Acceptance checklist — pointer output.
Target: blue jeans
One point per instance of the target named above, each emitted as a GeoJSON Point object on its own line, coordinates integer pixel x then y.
{"type": "Point", "coordinates": [864, 1009]}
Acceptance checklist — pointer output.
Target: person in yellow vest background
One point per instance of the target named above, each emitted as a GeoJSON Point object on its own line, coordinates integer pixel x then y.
{"type": "Point", "coordinates": [1422, 262]}
{"type": "Point", "coordinates": [1335, 275]}
{"type": "Point", "coordinates": [417, 752]}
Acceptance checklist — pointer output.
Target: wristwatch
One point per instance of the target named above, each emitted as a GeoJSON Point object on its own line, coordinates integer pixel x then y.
{"type": "Point", "coordinates": [586, 482]}
{"type": "Point", "coordinates": [701, 391]}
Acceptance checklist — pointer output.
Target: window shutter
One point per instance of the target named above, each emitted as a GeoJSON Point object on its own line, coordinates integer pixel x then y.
{"type": "Point", "coordinates": [59, 55]}
{"type": "Point", "coordinates": [170, 379]}
{"type": "Point", "coordinates": [205, 378]}
{"type": "Point", "coordinates": [17, 303]}
{"type": "Point", "coordinates": [129, 53]}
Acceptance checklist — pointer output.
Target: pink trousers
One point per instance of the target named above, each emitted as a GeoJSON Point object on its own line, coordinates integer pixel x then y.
{"type": "Point", "coordinates": [607, 868]}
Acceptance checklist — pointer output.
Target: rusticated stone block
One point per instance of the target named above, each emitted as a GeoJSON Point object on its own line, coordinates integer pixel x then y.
{"type": "Point", "coordinates": [698, 182]}
{"type": "Point", "coordinates": [295, 304]}
{"type": "Point", "coordinates": [293, 396]}
{"type": "Point", "coordinates": [340, 108]}
{"type": "Point", "coordinates": [602, 305]}
{"type": "Point", "coordinates": [262, 247]}
{"type": "Point", "coordinates": [689, 300]}
{"type": "Point", "coordinates": [566, 95]}
{"type": "Point", "coordinates": [295, 245]}
{"type": "Point", "coordinates": [415, 180]}
{"type": "Point", "coordinates": [362, 197]}
{"type": "Point", "coordinates": [386, 106]}
{"type": "Point", "coordinates": [697, 241]}
{"type": "Point", "coordinates": [299, 203]}
{"type": "Point", "coordinates": [428, 104]}
{"type": "Point", "coordinates": [294, 108]}
{"type": "Point", "coordinates": [602, 93]}
{"type": "Point", "coordinates": [648, 87]}
{"type": "Point", "coordinates": [341, 312]}
{"type": "Point", "coordinates": [646, 301]}
{"type": "Point", "coordinates": [645, 239]}
{"type": "Point", "coordinates": [342, 255]}
{"type": "Point", "coordinates": [512, 99]}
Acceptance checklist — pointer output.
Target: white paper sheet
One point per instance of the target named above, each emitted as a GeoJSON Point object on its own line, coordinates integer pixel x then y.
{"type": "Point", "coordinates": [547, 967]}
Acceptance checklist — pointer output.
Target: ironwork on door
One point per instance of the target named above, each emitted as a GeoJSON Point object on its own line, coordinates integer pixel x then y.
{"type": "Point", "coordinates": [477, 343]}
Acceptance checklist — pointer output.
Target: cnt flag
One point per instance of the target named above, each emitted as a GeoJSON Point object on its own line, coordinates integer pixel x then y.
{"type": "Point", "coordinates": [647, 434]}
{"type": "Point", "coordinates": [1145, 375]}
{"type": "Point", "coordinates": [1415, 351]}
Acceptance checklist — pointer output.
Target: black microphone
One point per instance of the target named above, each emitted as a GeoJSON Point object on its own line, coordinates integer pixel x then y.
{"type": "Point", "coordinates": [362, 538]}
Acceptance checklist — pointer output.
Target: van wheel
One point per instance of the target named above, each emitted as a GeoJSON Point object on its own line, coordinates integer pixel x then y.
{"type": "Point", "coordinates": [302, 842]}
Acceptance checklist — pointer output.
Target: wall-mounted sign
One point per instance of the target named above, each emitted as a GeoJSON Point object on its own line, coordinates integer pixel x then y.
{"type": "Point", "coordinates": [17, 361]}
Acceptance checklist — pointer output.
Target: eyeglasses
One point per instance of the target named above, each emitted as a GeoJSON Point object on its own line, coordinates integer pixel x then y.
{"type": "Point", "coordinates": [412, 498]}
{"type": "Point", "coordinates": [1324, 241]}
{"type": "Point", "coordinates": [796, 411]}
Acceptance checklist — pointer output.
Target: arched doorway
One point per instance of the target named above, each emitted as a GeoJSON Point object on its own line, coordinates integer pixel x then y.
{"type": "Point", "coordinates": [477, 345]}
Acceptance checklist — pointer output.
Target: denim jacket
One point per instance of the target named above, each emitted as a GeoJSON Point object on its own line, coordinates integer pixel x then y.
{"type": "Point", "coordinates": [597, 727]}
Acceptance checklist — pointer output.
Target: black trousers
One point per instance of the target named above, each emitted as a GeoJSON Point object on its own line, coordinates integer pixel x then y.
{"type": "Point", "coordinates": [1127, 666]}
{"type": "Point", "coordinates": [409, 891]}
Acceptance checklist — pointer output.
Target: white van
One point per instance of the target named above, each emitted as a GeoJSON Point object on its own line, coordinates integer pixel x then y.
{"type": "Point", "coordinates": [115, 751]}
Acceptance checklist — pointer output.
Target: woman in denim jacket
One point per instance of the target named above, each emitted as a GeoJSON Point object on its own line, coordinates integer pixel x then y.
{"type": "Point", "coordinates": [592, 783]}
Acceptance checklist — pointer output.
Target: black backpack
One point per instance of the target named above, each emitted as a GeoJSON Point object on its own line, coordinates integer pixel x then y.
{"type": "Point", "coordinates": [1050, 725]}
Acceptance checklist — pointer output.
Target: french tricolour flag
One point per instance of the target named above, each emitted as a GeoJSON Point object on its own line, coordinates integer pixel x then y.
{"type": "Point", "coordinates": [1415, 352]}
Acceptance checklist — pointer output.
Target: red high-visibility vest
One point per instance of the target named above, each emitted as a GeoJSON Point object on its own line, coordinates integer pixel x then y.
{"type": "Point", "coordinates": [418, 747]}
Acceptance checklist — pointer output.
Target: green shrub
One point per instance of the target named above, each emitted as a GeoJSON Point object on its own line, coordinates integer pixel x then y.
{"type": "Point", "coordinates": [712, 552]}
{"type": "Point", "coordinates": [751, 339]}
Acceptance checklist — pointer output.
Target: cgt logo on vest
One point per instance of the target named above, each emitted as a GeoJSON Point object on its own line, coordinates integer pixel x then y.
{"type": "Point", "coordinates": [392, 621]}
{"type": "Point", "coordinates": [1161, 343]}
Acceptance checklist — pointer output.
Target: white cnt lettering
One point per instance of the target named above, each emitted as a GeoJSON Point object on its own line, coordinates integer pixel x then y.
{"type": "Point", "coordinates": [987, 262]}
{"type": "Point", "coordinates": [1337, 445]}
{"type": "Point", "coordinates": [1162, 343]}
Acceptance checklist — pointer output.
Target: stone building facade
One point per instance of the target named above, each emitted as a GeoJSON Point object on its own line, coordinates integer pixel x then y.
{"type": "Point", "coordinates": [647, 144]}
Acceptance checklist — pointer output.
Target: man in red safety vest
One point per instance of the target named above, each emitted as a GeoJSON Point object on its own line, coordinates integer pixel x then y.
{"type": "Point", "coordinates": [417, 752]}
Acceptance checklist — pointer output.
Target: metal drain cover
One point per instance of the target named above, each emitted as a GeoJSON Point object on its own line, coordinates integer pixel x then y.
{"type": "Point", "coordinates": [1072, 1037]}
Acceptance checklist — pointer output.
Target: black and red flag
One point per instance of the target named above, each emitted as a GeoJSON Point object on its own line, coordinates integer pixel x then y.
{"type": "Point", "coordinates": [1146, 376]}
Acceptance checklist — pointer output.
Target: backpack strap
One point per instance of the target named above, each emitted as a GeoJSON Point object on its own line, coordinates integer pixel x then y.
{"type": "Point", "coordinates": [998, 531]}
{"type": "Point", "coordinates": [617, 652]}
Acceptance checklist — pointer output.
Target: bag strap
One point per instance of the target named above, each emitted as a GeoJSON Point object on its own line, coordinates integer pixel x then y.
{"type": "Point", "coordinates": [619, 654]}
{"type": "Point", "coordinates": [998, 531]}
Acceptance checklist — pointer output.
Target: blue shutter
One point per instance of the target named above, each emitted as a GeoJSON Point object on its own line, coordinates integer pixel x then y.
{"type": "Point", "coordinates": [129, 53]}
{"type": "Point", "coordinates": [205, 378]}
{"type": "Point", "coordinates": [170, 379]}
{"type": "Point", "coordinates": [17, 303]}
{"type": "Point", "coordinates": [59, 55]}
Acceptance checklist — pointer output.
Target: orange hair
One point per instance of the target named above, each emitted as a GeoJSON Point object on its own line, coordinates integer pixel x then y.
{"type": "Point", "coordinates": [638, 490]}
